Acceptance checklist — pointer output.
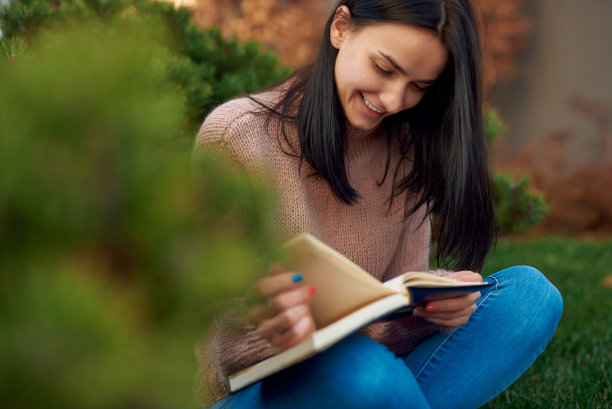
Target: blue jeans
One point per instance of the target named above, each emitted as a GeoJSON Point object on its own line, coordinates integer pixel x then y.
{"type": "Point", "coordinates": [514, 321]}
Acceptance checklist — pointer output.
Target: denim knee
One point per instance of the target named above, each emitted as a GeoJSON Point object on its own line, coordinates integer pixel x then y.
{"type": "Point", "coordinates": [534, 296]}
{"type": "Point", "coordinates": [357, 373]}
{"type": "Point", "coordinates": [376, 378]}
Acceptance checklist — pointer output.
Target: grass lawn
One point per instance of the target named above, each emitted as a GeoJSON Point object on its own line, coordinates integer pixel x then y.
{"type": "Point", "coordinates": [575, 371]}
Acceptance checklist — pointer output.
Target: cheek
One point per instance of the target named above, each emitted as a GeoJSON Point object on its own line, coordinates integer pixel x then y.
{"type": "Point", "coordinates": [352, 75]}
{"type": "Point", "coordinates": [353, 79]}
{"type": "Point", "coordinates": [343, 77]}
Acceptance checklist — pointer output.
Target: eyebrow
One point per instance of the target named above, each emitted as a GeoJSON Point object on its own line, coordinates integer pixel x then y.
{"type": "Point", "coordinates": [400, 69]}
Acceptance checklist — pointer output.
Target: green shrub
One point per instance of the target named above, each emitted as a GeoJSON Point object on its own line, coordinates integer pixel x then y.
{"type": "Point", "coordinates": [115, 244]}
{"type": "Point", "coordinates": [518, 207]}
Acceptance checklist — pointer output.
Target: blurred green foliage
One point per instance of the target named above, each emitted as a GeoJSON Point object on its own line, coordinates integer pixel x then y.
{"type": "Point", "coordinates": [208, 68]}
{"type": "Point", "coordinates": [115, 246]}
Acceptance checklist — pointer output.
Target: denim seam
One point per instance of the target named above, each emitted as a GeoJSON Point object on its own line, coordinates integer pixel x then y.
{"type": "Point", "coordinates": [431, 357]}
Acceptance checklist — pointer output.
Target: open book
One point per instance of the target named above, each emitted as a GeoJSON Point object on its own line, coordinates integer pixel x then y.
{"type": "Point", "coordinates": [347, 299]}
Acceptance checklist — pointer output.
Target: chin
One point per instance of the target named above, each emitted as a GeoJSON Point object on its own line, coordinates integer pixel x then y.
{"type": "Point", "coordinates": [364, 126]}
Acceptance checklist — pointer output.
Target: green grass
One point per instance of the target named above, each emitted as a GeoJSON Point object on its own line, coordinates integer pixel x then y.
{"type": "Point", "coordinates": [575, 371]}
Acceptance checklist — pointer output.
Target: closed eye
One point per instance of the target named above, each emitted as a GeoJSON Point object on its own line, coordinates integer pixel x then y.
{"type": "Point", "coordinates": [418, 87]}
{"type": "Point", "coordinates": [381, 70]}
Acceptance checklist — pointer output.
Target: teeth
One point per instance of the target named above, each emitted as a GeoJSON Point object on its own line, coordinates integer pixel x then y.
{"type": "Point", "coordinates": [372, 107]}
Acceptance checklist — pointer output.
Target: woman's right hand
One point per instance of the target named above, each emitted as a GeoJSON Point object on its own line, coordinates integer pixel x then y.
{"type": "Point", "coordinates": [285, 318]}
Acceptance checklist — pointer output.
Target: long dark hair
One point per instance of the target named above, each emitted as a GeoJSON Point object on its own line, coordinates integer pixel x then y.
{"type": "Point", "coordinates": [444, 131]}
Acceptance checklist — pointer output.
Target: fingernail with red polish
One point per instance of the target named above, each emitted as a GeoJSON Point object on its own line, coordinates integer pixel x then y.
{"type": "Point", "coordinates": [430, 308]}
{"type": "Point", "coordinates": [312, 291]}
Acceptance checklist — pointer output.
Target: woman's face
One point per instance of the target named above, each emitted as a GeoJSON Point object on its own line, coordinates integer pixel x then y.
{"type": "Point", "coordinates": [383, 69]}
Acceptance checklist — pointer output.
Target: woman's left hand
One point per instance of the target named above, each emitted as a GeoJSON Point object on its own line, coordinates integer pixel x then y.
{"type": "Point", "coordinates": [452, 312]}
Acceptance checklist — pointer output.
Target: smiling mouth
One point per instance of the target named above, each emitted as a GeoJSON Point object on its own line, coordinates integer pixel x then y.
{"type": "Point", "coordinates": [372, 107]}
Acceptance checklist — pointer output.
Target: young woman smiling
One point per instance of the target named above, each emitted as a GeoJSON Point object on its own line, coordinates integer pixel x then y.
{"type": "Point", "coordinates": [381, 133]}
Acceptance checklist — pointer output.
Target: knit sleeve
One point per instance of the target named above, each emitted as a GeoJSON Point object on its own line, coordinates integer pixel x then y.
{"type": "Point", "coordinates": [231, 345]}
{"type": "Point", "coordinates": [229, 131]}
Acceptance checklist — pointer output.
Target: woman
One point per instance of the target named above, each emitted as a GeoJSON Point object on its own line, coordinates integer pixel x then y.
{"type": "Point", "coordinates": [381, 133]}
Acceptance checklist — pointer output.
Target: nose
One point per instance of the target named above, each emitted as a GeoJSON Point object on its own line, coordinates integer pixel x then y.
{"type": "Point", "coordinates": [394, 99]}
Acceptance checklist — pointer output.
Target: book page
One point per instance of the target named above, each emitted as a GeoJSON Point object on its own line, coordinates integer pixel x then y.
{"type": "Point", "coordinates": [341, 285]}
{"type": "Point", "coordinates": [421, 279]}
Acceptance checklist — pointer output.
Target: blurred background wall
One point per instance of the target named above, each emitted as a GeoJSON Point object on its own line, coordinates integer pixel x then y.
{"type": "Point", "coordinates": [558, 110]}
{"type": "Point", "coordinates": [562, 94]}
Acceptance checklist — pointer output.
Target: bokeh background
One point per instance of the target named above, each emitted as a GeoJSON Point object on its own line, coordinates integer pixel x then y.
{"type": "Point", "coordinates": [117, 245]}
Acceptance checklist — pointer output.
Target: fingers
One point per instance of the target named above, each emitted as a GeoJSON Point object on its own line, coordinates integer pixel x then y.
{"type": "Point", "coordinates": [276, 292]}
{"type": "Point", "coordinates": [280, 302]}
{"type": "Point", "coordinates": [295, 334]}
{"type": "Point", "coordinates": [277, 282]}
{"type": "Point", "coordinates": [287, 319]}
{"type": "Point", "coordinates": [450, 312]}
{"type": "Point", "coordinates": [283, 321]}
{"type": "Point", "coordinates": [465, 275]}
{"type": "Point", "coordinates": [456, 311]}
{"type": "Point", "coordinates": [453, 305]}
{"type": "Point", "coordinates": [289, 327]}
{"type": "Point", "coordinates": [276, 268]}
{"type": "Point", "coordinates": [281, 310]}
{"type": "Point", "coordinates": [265, 288]}
{"type": "Point", "coordinates": [454, 319]}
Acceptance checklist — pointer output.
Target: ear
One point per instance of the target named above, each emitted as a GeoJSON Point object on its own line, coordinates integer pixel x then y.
{"type": "Point", "coordinates": [340, 27]}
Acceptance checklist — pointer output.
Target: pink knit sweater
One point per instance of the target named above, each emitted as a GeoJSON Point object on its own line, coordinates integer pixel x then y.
{"type": "Point", "coordinates": [375, 236]}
